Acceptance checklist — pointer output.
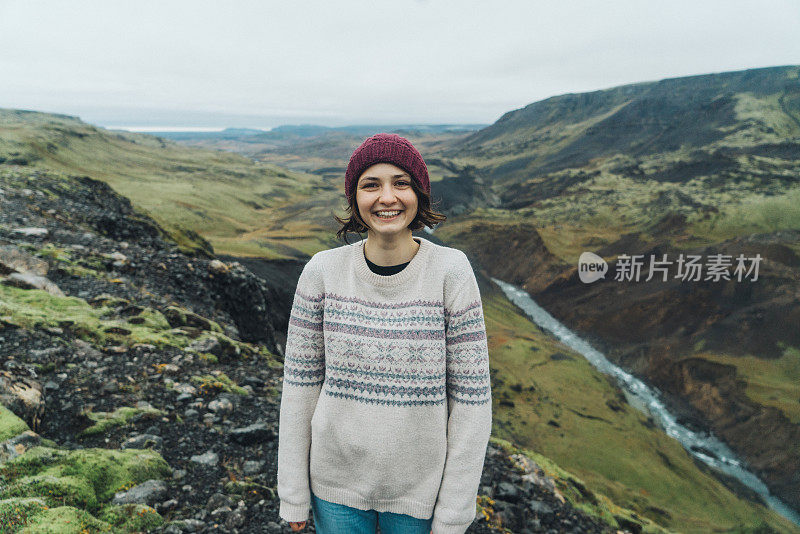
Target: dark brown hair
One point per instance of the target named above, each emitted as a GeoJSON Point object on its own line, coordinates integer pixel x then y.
{"type": "Point", "coordinates": [426, 215]}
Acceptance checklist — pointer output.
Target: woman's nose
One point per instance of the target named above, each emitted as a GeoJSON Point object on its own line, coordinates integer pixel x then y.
{"type": "Point", "coordinates": [387, 194]}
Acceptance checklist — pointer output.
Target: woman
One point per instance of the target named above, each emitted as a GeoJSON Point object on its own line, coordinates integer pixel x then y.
{"type": "Point", "coordinates": [386, 404]}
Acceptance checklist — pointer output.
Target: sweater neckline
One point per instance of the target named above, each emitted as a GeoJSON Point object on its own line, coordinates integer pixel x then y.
{"type": "Point", "coordinates": [408, 273]}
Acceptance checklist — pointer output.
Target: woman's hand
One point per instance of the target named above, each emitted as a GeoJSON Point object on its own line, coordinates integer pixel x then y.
{"type": "Point", "coordinates": [297, 527]}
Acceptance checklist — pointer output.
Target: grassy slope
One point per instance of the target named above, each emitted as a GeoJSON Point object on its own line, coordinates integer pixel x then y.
{"type": "Point", "coordinates": [599, 437]}
{"type": "Point", "coordinates": [240, 206]}
{"type": "Point", "coordinates": [768, 382]}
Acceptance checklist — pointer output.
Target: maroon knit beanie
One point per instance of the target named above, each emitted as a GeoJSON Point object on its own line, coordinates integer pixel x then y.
{"type": "Point", "coordinates": [386, 148]}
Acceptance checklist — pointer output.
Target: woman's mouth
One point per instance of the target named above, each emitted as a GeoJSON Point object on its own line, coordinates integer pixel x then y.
{"type": "Point", "coordinates": [388, 215]}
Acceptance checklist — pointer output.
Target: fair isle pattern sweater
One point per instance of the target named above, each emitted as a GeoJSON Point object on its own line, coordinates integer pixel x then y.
{"type": "Point", "coordinates": [386, 400]}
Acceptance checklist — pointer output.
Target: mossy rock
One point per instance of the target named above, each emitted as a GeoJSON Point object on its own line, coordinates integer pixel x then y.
{"type": "Point", "coordinates": [17, 511]}
{"type": "Point", "coordinates": [224, 347]}
{"type": "Point", "coordinates": [97, 323]}
{"type": "Point", "coordinates": [65, 520]}
{"type": "Point", "coordinates": [131, 517]}
{"type": "Point", "coordinates": [107, 300]}
{"type": "Point", "coordinates": [189, 242]}
{"type": "Point", "coordinates": [55, 490]}
{"type": "Point", "coordinates": [151, 318]}
{"type": "Point", "coordinates": [208, 357]}
{"type": "Point", "coordinates": [33, 461]}
{"type": "Point", "coordinates": [178, 316]}
{"type": "Point", "coordinates": [217, 382]}
{"type": "Point", "coordinates": [10, 424]}
{"type": "Point", "coordinates": [119, 417]}
{"type": "Point", "coordinates": [85, 476]}
{"type": "Point", "coordinates": [230, 348]}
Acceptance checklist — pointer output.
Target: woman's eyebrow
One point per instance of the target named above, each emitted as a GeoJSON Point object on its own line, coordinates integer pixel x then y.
{"type": "Point", "coordinates": [376, 178]}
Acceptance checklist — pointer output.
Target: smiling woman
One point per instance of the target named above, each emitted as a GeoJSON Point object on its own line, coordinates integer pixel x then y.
{"type": "Point", "coordinates": [385, 165]}
{"type": "Point", "coordinates": [386, 404]}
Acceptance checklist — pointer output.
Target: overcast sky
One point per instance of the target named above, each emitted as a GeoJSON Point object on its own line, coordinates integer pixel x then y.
{"type": "Point", "coordinates": [336, 62]}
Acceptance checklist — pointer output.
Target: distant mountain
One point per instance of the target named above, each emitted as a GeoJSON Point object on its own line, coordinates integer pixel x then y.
{"type": "Point", "coordinates": [227, 134]}
{"type": "Point", "coordinates": [310, 130]}
{"type": "Point", "coordinates": [291, 132]}
{"type": "Point", "coordinates": [755, 111]}
{"type": "Point", "coordinates": [322, 150]}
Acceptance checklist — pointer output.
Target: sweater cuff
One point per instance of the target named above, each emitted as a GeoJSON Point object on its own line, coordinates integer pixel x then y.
{"type": "Point", "coordinates": [294, 513]}
{"type": "Point", "coordinates": [445, 528]}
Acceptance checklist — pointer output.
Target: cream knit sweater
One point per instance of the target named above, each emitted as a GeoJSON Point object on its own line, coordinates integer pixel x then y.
{"type": "Point", "coordinates": [386, 400]}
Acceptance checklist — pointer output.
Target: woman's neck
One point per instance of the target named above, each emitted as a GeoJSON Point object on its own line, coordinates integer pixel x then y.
{"type": "Point", "coordinates": [390, 250]}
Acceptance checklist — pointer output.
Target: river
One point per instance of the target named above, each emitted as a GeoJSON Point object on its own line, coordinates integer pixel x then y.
{"type": "Point", "coordinates": [703, 446]}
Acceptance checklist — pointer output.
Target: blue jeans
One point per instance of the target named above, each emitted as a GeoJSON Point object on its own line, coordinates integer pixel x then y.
{"type": "Point", "coordinates": [332, 518]}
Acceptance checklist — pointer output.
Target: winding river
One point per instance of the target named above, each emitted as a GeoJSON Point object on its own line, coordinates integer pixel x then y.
{"type": "Point", "coordinates": [703, 446]}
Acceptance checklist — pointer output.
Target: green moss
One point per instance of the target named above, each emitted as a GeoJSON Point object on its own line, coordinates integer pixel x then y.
{"type": "Point", "coordinates": [180, 316]}
{"type": "Point", "coordinates": [190, 242]}
{"type": "Point", "coordinates": [10, 424]}
{"type": "Point", "coordinates": [44, 368]}
{"type": "Point", "coordinates": [208, 357]}
{"type": "Point", "coordinates": [229, 348]}
{"type": "Point", "coordinates": [85, 477]}
{"type": "Point", "coordinates": [66, 260]}
{"type": "Point", "coordinates": [55, 490]}
{"type": "Point", "coordinates": [119, 417]}
{"type": "Point", "coordinates": [65, 520]}
{"type": "Point", "coordinates": [131, 517]}
{"type": "Point", "coordinates": [218, 381]}
{"type": "Point", "coordinates": [82, 272]}
{"type": "Point", "coordinates": [35, 309]}
{"type": "Point", "coordinates": [33, 461]}
{"type": "Point", "coordinates": [151, 318]}
{"type": "Point", "coordinates": [111, 471]}
{"type": "Point", "coordinates": [16, 511]}
{"type": "Point", "coordinates": [49, 250]}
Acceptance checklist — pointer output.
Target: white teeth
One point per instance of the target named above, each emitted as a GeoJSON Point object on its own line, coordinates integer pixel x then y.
{"type": "Point", "coordinates": [387, 214]}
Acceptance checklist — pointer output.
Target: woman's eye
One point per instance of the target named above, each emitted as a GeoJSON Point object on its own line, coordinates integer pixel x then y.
{"type": "Point", "coordinates": [402, 182]}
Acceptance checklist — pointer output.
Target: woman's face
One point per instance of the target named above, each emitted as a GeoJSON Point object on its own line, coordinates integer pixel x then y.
{"type": "Point", "coordinates": [384, 187]}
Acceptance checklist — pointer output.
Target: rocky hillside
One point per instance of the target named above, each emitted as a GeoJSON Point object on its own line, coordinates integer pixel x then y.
{"type": "Point", "coordinates": [140, 385]}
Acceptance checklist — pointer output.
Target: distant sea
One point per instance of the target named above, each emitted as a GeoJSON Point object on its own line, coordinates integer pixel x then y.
{"type": "Point", "coordinates": [149, 129]}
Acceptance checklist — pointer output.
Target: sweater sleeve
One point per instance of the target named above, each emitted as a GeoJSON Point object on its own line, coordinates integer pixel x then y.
{"type": "Point", "coordinates": [469, 401]}
{"type": "Point", "coordinates": [303, 376]}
